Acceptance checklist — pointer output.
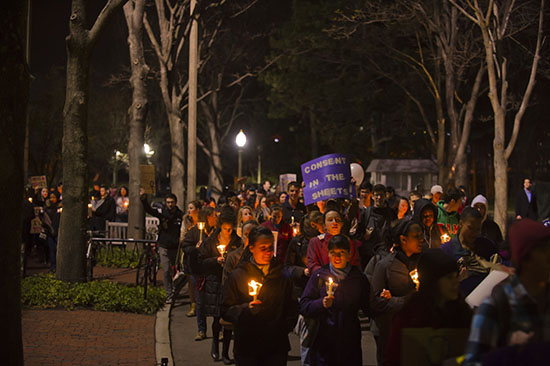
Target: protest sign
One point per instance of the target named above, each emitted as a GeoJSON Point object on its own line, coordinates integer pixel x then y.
{"type": "Point", "coordinates": [148, 178]}
{"type": "Point", "coordinates": [38, 181]}
{"type": "Point", "coordinates": [484, 289]}
{"type": "Point", "coordinates": [326, 177]}
{"type": "Point", "coordinates": [284, 179]}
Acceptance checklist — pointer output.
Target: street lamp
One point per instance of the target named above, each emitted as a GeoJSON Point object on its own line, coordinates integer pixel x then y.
{"type": "Point", "coordinates": [118, 155]}
{"type": "Point", "coordinates": [240, 140]}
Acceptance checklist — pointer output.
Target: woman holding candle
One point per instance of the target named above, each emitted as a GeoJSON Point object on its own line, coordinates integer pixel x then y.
{"type": "Point", "coordinates": [392, 284]}
{"type": "Point", "coordinates": [333, 296]}
{"type": "Point", "coordinates": [317, 251]}
{"type": "Point", "coordinates": [437, 304]}
{"type": "Point", "coordinates": [122, 204]}
{"type": "Point", "coordinates": [245, 214]}
{"type": "Point", "coordinates": [284, 230]}
{"type": "Point", "coordinates": [425, 215]}
{"type": "Point", "coordinates": [212, 258]}
{"type": "Point", "coordinates": [262, 325]}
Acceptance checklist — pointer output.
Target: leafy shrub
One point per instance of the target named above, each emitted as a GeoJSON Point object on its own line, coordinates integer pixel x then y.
{"type": "Point", "coordinates": [117, 257]}
{"type": "Point", "coordinates": [45, 292]}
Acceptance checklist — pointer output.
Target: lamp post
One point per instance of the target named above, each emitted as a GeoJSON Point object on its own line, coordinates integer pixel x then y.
{"type": "Point", "coordinates": [115, 166]}
{"type": "Point", "coordinates": [240, 140]}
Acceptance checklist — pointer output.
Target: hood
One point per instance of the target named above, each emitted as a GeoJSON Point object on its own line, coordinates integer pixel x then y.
{"type": "Point", "coordinates": [481, 199]}
{"type": "Point", "coordinates": [420, 205]}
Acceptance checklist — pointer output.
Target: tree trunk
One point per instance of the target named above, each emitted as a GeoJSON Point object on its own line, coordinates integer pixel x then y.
{"type": "Point", "coordinates": [215, 173]}
{"type": "Point", "coordinates": [13, 105]}
{"type": "Point", "coordinates": [71, 258]}
{"type": "Point", "coordinates": [501, 173]}
{"type": "Point", "coordinates": [134, 12]}
{"type": "Point", "coordinates": [440, 152]}
{"type": "Point", "coordinates": [177, 169]}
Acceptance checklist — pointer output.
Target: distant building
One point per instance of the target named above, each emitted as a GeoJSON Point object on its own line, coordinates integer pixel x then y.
{"type": "Point", "coordinates": [404, 175]}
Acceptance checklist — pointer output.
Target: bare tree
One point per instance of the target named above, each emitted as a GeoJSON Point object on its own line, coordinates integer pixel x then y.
{"type": "Point", "coordinates": [495, 20]}
{"type": "Point", "coordinates": [134, 11]}
{"type": "Point", "coordinates": [72, 232]}
{"type": "Point", "coordinates": [14, 96]}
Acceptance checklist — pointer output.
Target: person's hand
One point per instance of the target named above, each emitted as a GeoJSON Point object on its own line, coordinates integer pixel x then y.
{"type": "Point", "coordinates": [518, 217]}
{"type": "Point", "coordinates": [221, 259]}
{"type": "Point", "coordinates": [368, 233]}
{"type": "Point", "coordinates": [142, 193]}
{"type": "Point", "coordinates": [306, 271]}
{"type": "Point", "coordinates": [198, 244]}
{"type": "Point", "coordinates": [463, 274]}
{"type": "Point", "coordinates": [255, 306]}
{"type": "Point", "coordinates": [386, 294]}
{"type": "Point", "coordinates": [519, 338]}
{"type": "Point", "coordinates": [328, 301]}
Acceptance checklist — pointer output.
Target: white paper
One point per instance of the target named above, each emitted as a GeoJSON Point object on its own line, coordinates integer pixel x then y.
{"type": "Point", "coordinates": [275, 235]}
{"type": "Point", "coordinates": [484, 289]}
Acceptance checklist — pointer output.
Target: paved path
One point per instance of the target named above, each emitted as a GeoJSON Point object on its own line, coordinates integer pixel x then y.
{"type": "Point", "coordinates": [87, 338]}
{"type": "Point", "coordinates": [187, 352]}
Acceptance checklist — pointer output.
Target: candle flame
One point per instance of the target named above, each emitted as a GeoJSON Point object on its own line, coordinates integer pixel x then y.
{"type": "Point", "coordinates": [330, 280]}
{"type": "Point", "coordinates": [445, 238]}
{"type": "Point", "coordinates": [126, 203]}
{"type": "Point", "coordinates": [30, 199]}
{"type": "Point", "coordinates": [89, 205]}
{"type": "Point", "coordinates": [221, 249]}
{"type": "Point", "coordinates": [414, 277]}
{"type": "Point", "coordinates": [295, 231]}
{"type": "Point", "coordinates": [200, 225]}
{"type": "Point", "coordinates": [254, 288]}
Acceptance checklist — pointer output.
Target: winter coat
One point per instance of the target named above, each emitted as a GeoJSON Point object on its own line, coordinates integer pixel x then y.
{"type": "Point", "coordinates": [267, 331]}
{"type": "Point", "coordinates": [447, 220]}
{"type": "Point", "coordinates": [232, 262]}
{"type": "Point", "coordinates": [296, 262]}
{"type": "Point", "coordinates": [379, 219]}
{"type": "Point", "coordinates": [283, 238]}
{"type": "Point", "coordinates": [489, 229]}
{"type": "Point", "coordinates": [338, 340]}
{"type": "Point", "coordinates": [55, 216]}
{"type": "Point", "coordinates": [421, 312]}
{"type": "Point", "coordinates": [212, 270]}
{"type": "Point", "coordinates": [104, 212]}
{"type": "Point", "coordinates": [432, 235]}
{"type": "Point", "coordinates": [169, 224]}
{"type": "Point", "coordinates": [317, 252]}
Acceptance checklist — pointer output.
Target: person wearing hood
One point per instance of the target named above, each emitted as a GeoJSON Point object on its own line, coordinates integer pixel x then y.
{"type": "Point", "coordinates": [437, 304]}
{"type": "Point", "coordinates": [425, 214]}
{"type": "Point", "coordinates": [447, 216]}
{"type": "Point", "coordinates": [489, 229]}
{"type": "Point", "coordinates": [261, 322]}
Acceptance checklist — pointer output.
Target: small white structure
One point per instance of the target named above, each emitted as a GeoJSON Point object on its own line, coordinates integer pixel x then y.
{"type": "Point", "coordinates": [404, 175]}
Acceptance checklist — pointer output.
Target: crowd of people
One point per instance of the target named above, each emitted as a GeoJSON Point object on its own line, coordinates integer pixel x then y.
{"type": "Point", "coordinates": [262, 264]}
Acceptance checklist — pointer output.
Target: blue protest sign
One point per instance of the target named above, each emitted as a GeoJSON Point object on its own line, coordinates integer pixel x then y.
{"type": "Point", "coordinates": [326, 177]}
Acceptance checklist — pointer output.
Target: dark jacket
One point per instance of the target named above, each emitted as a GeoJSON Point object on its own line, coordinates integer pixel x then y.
{"type": "Point", "coordinates": [317, 252]}
{"type": "Point", "coordinates": [296, 262]}
{"type": "Point", "coordinates": [283, 238]}
{"type": "Point", "coordinates": [378, 218]}
{"type": "Point", "coordinates": [421, 312]}
{"type": "Point", "coordinates": [212, 270]}
{"type": "Point", "coordinates": [432, 235]}
{"type": "Point", "coordinates": [169, 224]}
{"type": "Point", "coordinates": [267, 331]}
{"type": "Point", "coordinates": [524, 208]}
{"type": "Point", "coordinates": [55, 217]}
{"type": "Point", "coordinates": [338, 340]}
{"type": "Point", "coordinates": [105, 212]}
{"type": "Point", "coordinates": [288, 212]}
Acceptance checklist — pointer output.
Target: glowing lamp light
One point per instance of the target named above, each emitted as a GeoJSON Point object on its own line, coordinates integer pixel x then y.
{"type": "Point", "coordinates": [445, 238]}
{"type": "Point", "coordinates": [414, 277]}
{"type": "Point", "coordinates": [254, 289]}
{"type": "Point", "coordinates": [240, 140]}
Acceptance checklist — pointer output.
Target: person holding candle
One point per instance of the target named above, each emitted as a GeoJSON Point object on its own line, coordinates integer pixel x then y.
{"type": "Point", "coordinates": [245, 213]}
{"type": "Point", "coordinates": [333, 296]}
{"type": "Point", "coordinates": [261, 326]}
{"type": "Point", "coordinates": [278, 224]}
{"type": "Point", "coordinates": [425, 214]}
{"type": "Point", "coordinates": [122, 204]}
{"type": "Point", "coordinates": [448, 206]}
{"type": "Point", "coordinates": [317, 251]}
{"type": "Point", "coordinates": [192, 241]}
{"type": "Point", "coordinates": [211, 259]}
{"type": "Point", "coordinates": [392, 285]}
{"type": "Point", "coordinates": [437, 304]}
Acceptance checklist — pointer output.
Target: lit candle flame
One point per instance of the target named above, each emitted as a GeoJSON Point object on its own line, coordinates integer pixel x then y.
{"type": "Point", "coordinates": [30, 199]}
{"type": "Point", "coordinates": [445, 238]}
{"type": "Point", "coordinates": [126, 204]}
{"type": "Point", "coordinates": [254, 289]}
{"type": "Point", "coordinates": [295, 231]}
{"type": "Point", "coordinates": [200, 225]}
{"type": "Point", "coordinates": [414, 277]}
{"type": "Point", "coordinates": [330, 290]}
{"type": "Point", "coordinates": [89, 205]}
{"type": "Point", "coordinates": [60, 209]}
{"type": "Point", "coordinates": [221, 249]}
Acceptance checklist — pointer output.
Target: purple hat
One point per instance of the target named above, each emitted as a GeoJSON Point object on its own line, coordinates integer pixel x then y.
{"type": "Point", "coordinates": [524, 235]}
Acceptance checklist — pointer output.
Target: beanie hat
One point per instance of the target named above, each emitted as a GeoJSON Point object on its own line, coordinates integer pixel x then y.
{"type": "Point", "coordinates": [481, 199]}
{"type": "Point", "coordinates": [436, 189]}
{"type": "Point", "coordinates": [432, 265]}
{"type": "Point", "coordinates": [525, 234]}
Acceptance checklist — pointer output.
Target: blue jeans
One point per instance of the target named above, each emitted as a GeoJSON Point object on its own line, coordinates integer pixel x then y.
{"type": "Point", "coordinates": [199, 300]}
{"type": "Point", "coordinates": [52, 249]}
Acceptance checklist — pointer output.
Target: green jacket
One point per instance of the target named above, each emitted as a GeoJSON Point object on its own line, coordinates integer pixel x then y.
{"type": "Point", "coordinates": [448, 220]}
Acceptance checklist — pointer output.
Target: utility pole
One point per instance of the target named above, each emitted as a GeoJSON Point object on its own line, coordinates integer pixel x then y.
{"type": "Point", "coordinates": [192, 109]}
{"type": "Point", "coordinates": [27, 122]}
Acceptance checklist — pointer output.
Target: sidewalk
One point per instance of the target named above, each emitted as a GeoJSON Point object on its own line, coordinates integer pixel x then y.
{"type": "Point", "coordinates": [87, 337]}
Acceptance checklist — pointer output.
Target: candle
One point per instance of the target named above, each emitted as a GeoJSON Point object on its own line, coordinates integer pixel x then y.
{"type": "Point", "coordinates": [89, 205]}
{"type": "Point", "coordinates": [60, 209]}
{"type": "Point", "coordinates": [445, 238]}
{"type": "Point", "coordinates": [414, 277]}
{"type": "Point", "coordinates": [221, 249]}
{"type": "Point", "coordinates": [126, 204]}
{"type": "Point", "coordinates": [254, 289]}
{"type": "Point", "coordinates": [295, 230]}
{"type": "Point", "coordinates": [330, 292]}
{"type": "Point", "coordinates": [201, 228]}
{"type": "Point", "coordinates": [30, 199]}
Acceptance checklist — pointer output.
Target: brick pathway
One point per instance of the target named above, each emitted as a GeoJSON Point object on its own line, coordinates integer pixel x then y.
{"type": "Point", "coordinates": [85, 337]}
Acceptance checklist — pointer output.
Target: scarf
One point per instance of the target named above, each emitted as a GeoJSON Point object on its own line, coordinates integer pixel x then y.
{"type": "Point", "coordinates": [264, 267]}
{"type": "Point", "coordinates": [340, 274]}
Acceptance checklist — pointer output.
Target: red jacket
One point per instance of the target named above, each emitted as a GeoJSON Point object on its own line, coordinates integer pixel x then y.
{"type": "Point", "coordinates": [317, 252]}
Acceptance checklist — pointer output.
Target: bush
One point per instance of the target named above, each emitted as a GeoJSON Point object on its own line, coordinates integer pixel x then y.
{"type": "Point", "coordinates": [45, 292]}
{"type": "Point", "coordinates": [117, 257]}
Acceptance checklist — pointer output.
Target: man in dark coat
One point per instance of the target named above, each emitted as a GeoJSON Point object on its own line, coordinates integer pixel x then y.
{"type": "Point", "coordinates": [103, 209]}
{"type": "Point", "coordinates": [425, 214]}
{"type": "Point", "coordinates": [293, 210]}
{"type": "Point", "coordinates": [261, 322]}
{"type": "Point", "coordinates": [170, 219]}
{"type": "Point", "coordinates": [526, 202]}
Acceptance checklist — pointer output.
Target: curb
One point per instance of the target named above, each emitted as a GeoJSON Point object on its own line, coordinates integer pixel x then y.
{"type": "Point", "coordinates": [163, 346]}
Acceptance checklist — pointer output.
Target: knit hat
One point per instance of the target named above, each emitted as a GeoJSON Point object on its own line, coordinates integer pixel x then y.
{"type": "Point", "coordinates": [436, 189]}
{"type": "Point", "coordinates": [432, 265]}
{"type": "Point", "coordinates": [525, 234]}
